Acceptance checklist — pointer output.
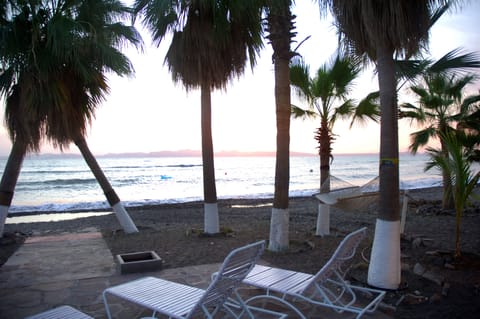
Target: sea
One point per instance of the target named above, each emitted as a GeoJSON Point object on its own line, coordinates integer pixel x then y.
{"type": "Point", "coordinates": [64, 184]}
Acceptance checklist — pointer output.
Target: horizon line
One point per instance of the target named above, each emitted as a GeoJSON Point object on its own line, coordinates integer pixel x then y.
{"type": "Point", "coordinates": [195, 153]}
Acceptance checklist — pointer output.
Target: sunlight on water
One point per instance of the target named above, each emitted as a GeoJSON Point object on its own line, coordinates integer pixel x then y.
{"type": "Point", "coordinates": [252, 206]}
{"type": "Point", "coordinates": [45, 218]}
{"type": "Point", "coordinates": [66, 184]}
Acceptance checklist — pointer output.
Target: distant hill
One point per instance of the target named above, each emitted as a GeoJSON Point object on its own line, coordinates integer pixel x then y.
{"type": "Point", "coordinates": [195, 153]}
{"type": "Point", "coordinates": [179, 153]}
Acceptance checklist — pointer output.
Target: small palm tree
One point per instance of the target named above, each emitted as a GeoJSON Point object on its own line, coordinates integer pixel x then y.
{"type": "Point", "coordinates": [211, 43]}
{"type": "Point", "coordinates": [469, 126]}
{"type": "Point", "coordinates": [54, 56]}
{"type": "Point", "coordinates": [327, 98]}
{"type": "Point", "coordinates": [440, 106]}
{"type": "Point", "coordinates": [453, 159]}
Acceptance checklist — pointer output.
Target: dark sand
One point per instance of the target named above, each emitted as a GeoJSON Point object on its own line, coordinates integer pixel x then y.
{"type": "Point", "coordinates": [175, 232]}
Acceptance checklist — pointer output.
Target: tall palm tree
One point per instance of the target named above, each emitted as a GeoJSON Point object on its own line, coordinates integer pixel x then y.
{"type": "Point", "coordinates": [54, 56]}
{"type": "Point", "coordinates": [211, 43]}
{"type": "Point", "coordinates": [380, 30]}
{"type": "Point", "coordinates": [440, 106]}
{"type": "Point", "coordinates": [9, 180]}
{"type": "Point", "coordinates": [327, 97]}
{"type": "Point", "coordinates": [280, 26]}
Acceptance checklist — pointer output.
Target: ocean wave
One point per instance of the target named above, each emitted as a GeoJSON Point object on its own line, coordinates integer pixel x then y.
{"type": "Point", "coordinates": [55, 171]}
{"type": "Point", "coordinates": [184, 165]}
{"type": "Point", "coordinates": [64, 208]}
{"type": "Point", "coordinates": [152, 166]}
{"type": "Point", "coordinates": [421, 183]}
{"type": "Point", "coordinates": [141, 182]}
{"type": "Point", "coordinates": [56, 182]}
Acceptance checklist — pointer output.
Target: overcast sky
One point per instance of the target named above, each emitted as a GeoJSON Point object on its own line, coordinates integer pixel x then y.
{"type": "Point", "coordinates": [149, 113]}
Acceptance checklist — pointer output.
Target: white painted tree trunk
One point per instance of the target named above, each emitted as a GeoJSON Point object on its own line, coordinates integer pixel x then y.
{"type": "Point", "coordinates": [124, 219]}
{"type": "Point", "coordinates": [384, 270]}
{"type": "Point", "coordinates": [323, 220]}
{"type": "Point", "coordinates": [211, 218]}
{"type": "Point", "coordinates": [3, 218]}
{"type": "Point", "coordinates": [279, 229]}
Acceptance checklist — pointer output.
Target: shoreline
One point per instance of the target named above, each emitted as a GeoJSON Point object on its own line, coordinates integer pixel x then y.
{"type": "Point", "coordinates": [191, 214]}
{"type": "Point", "coordinates": [425, 193]}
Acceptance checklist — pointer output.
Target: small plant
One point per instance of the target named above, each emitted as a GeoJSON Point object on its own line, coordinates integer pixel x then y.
{"type": "Point", "coordinates": [463, 180]}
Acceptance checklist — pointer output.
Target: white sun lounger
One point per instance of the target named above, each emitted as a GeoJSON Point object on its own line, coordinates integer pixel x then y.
{"type": "Point", "coordinates": [62, 312]}
{"type": "Point", "coordinates": [181, 301]}
{"type": "Point", "coordinates": [326, 288]}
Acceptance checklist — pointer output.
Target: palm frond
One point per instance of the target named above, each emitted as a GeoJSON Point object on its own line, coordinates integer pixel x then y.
{"type": "Point", "coordinates": [362, 25]}
{"type": "Point", "coordinates": [437, 13]}
{"type": "Point", "coordinates": [298, 112]}
{"type": "Point", "coordinates": [410, 70]}
{"type": "Point", "coordinates": [368, 109]}
{"type": "Point", "coordinates": [455, 61]}
{"type": "Point", "coordinates": [213, 42]}
{"type": "Point", "coordinates": [300, 79]}
{"type": "Point", "coordinates": [412, 112]}
{"type": "Point", "coordinates": [470, 103]}
{"type": "Point", "coordinates": [161, 17]}
{"type": "Point", "coordinates": [346, 109]}
{"type": "Point", "coordinates": [421, 138]}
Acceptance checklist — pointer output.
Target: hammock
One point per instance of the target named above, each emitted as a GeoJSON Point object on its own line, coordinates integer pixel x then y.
{"type": "Point", "coordinates": [346, 196]}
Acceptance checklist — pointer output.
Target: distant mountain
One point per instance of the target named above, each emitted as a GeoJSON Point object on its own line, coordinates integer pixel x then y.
{"type": "Point", "coordinates": [178, 153]}
{"type": "Point", "coordinates": [195, 153]}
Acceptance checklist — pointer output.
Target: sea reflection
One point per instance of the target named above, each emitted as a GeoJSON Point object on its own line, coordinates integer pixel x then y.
{"type": "Point", "coordinates": [45, 218]}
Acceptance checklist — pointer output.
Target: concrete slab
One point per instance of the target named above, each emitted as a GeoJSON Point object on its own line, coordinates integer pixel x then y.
{"type": "Point", "coordinates": [57, 258]}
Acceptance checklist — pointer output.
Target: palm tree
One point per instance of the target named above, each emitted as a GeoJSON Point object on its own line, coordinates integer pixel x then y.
{"type": "Point", "coordinates": [211, 43]}
{"type": "Point", "coordinates": [54, 56]}
{"type": "Point", "coordinates": [440, 106]}
{"type": "Point", "coordinates": [469, 126]}
{"type": "Point", "coordinates": [380, 30]}
{"type": "Point", "coordinates": [9, 180]}
{"type": "Point", "coordinates": [280, 26]}
{"type": "Point", "coordinates": [327, 97]}
{"type": "Point", "coordinates": [453, 159]}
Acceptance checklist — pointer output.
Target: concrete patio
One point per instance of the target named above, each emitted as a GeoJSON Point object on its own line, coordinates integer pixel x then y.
{"type": "Point", "coordinates": [74, 269]}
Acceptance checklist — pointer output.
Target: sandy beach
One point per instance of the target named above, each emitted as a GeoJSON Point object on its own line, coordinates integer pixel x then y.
{"type": "Point", "coordinates": [174, 231]}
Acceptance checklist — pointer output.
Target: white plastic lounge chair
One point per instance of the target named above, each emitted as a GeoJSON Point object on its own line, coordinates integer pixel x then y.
{"type": "Point", "coordinates": [181, 301]}
{"type": "Point", "coordinates": [62, 312]}
{"type": "Point", "coordinates": [326, 288]}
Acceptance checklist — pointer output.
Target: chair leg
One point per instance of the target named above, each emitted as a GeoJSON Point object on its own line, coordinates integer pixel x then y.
{"type": "Point", "coordinates": [107, 308]}
{"type": "Point", "coordinates": [279, 300]}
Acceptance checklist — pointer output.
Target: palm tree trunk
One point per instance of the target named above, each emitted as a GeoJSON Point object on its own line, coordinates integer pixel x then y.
{"type": "Point", "coordinates": [9, 180]}
{"type": "Point", "coordinates": [211, 222]}
{"type": "Point", "coordinates": [112, 197]}
{"type": "Point", "coordinates": [458, 246]}
{"type": "Point", "coordinates": [384, 269]}
{"type": "Point", "coordinates": [323, 218]}
{"type": "Point", "coordinates": [280, 23]}
{"type": "Point", "coordinates": [447, 200]}
{"type": "Point", "coordinates": [325, 153]}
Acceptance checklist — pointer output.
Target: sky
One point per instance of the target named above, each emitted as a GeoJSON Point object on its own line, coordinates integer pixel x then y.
{"type": "Point", "coordinates": [149, 113]}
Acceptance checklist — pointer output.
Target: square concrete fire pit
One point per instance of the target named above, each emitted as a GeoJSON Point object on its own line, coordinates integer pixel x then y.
{"type": "Point", "coordinates": [139, 262]}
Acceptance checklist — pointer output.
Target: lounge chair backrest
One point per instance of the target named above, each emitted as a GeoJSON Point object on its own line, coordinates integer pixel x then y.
{"type": "Point", "coordinates": [345, 251]}
{"type": "Point", "coordinates": [234, 269]}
